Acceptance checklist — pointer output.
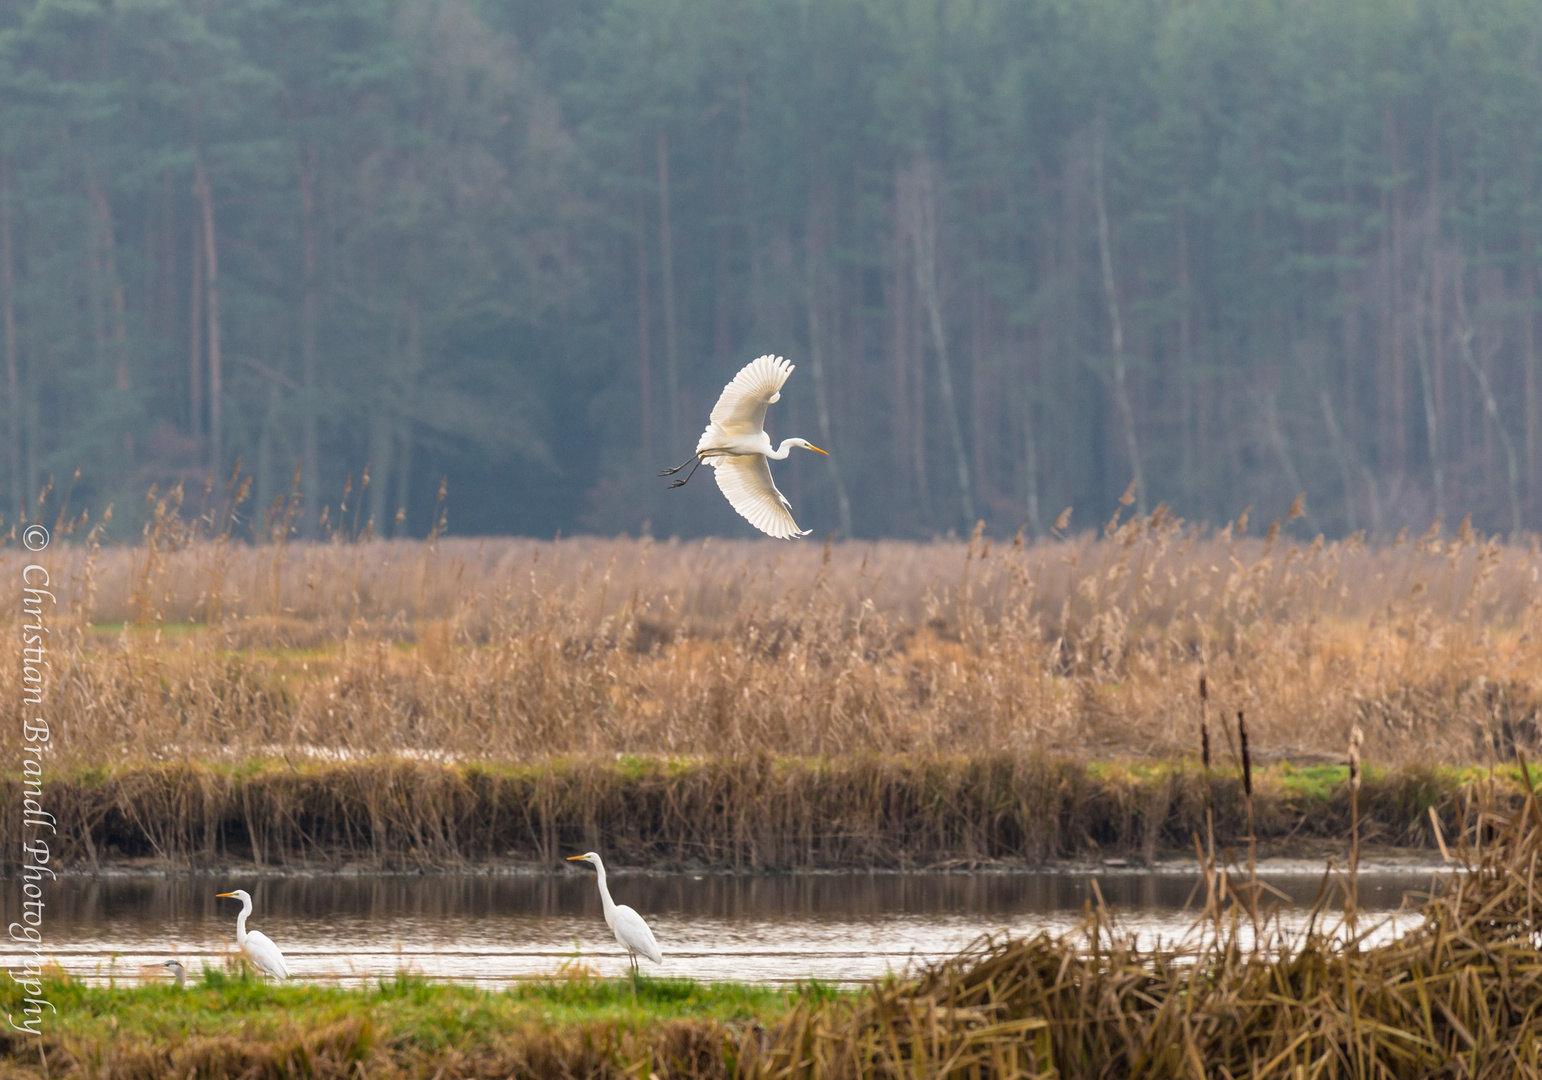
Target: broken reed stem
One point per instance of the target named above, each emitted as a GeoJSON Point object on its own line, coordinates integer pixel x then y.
{"type": "Point", "coordinates": [1207, 859]}
{"type": "Point", "coordinates": [1356, 737]}
{"type": "Point", "coordinates": [1247, 794]}
{"type": "Point", "coordinates": [1252, 835]}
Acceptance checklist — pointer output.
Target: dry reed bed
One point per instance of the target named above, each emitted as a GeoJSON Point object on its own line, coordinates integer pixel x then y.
{"type": "Point", "coordinates": [1459, 995]}
{"type": "Point", "coordinates": [747, 813]}
{"type": "Point", "coordinates": [187, 645]}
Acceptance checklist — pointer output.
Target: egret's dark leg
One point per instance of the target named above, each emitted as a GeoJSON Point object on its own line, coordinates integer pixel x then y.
{"type": "Point", "coordinates": [683, 464]}
{"type": "Point", "coordinates": [687, 480]}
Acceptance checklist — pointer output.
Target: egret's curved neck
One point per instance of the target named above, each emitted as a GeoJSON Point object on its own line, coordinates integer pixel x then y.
{"type": "Point", "coordinates": [605, 901]}
{"type": "Point", "coordinates": [782, 451]}
{"type": "Point", "coordinates": [246, 909]}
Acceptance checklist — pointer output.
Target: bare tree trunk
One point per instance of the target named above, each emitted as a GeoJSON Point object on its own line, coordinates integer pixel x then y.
{"type": "Point", "coordinates": [205, 198]}
{"type": "Point", "coordinates": [404, 447]}
{"type": "Point", "coordinates": [1431, 418]}
{"type": "Point", "coordinates": [1349, 462]}
{"type": "Point", "coordinates": [977, 387]}
{"type": "Point", "coordinates": [12, 361]}
{"type": "Point", "coordinates": [105, 259]}
{"type": "Point", "coordinates": [667, 257]}
{"type": "Point", "coordinates": [1399, 374]}
{"type": "Point", "coordinates": [1529, 336]}
{"type": "Point", "coordinates": [1437, 291]}
{"type": "Point", "coordinates": [904, 434]}
{"type": "Point", "coordinates": [1186, 455]}
{"type": "Point", "coordinates": [1278, 442]}
{"type": "Point", "coordinates": [405, 434]}
{"type": "Point", "coordinates": [310, 474]}
{"type": "Point", "coordinates": [267, 486]}
{"type": "Point", "coordinates": [195, 318]}
{"type": "Point", "coordinates": [1030, 462]}
{"type": "Point", "coordinates": [816, 292]}
{"type": "Point", "coordinates": [644, 335]}
{"type": "Point", "coordinates": [377, 469]}
{"type": "Point", "coordinates": [1428, 367]}
{"type": "Point", "coordinates": [1464, 331]}
{"type": "Point", "coordinates": [919, 210]}
{"type": "Point", "coordinates": [1116, 325]}
{"type": "Point", "coordinates": [166, 263]}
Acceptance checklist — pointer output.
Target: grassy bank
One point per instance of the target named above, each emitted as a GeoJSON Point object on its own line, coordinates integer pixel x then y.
{"type": "Point", "coordinates": [749, 813]}
{"type": "Point", "coordinates": [227, 1027]}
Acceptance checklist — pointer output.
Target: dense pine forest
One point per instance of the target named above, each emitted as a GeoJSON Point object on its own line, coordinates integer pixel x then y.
{"type": "Point", "coordinates": [1023, 252]}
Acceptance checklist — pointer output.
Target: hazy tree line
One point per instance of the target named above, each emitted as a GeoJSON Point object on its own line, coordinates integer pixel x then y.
{"type": "Point", "coordinates": [1022, 251]}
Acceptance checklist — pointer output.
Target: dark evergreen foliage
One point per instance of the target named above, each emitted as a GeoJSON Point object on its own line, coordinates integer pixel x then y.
{"type": "Point", "coordinates": [1020, 250]}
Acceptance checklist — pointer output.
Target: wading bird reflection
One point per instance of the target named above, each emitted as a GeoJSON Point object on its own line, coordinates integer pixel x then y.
{"type": "Point", "coordinates": [737, 447]}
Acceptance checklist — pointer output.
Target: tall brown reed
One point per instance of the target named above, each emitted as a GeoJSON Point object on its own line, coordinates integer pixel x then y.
{"type": "Point", "coordinates": [191, 644]}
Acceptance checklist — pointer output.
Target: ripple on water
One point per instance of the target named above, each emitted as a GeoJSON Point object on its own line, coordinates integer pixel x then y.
{"type": "Point", "coordinates": [491, 930]}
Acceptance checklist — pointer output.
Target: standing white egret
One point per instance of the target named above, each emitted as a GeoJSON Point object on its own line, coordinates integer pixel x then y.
{"type": "Point", "coordinates": [737, 447]}
{"type": "Point", "coordinates": [259, 948]}
{"type": "Point", "coordinates": [625, 923]}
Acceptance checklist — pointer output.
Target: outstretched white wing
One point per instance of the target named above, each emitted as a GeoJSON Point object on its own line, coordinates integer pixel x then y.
{"type": "Point", "coordinates": [746, 480]}
{"type": "Point", "coordinates": [634, 934]}
{"type": "Point", "coordinates": [741, 409]}
{"type": "Point", "coordinates": [265, 954]}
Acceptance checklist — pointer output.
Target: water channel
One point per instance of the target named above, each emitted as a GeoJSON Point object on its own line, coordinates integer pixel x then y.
{"type": "Point", "coordinates": [494, 929]}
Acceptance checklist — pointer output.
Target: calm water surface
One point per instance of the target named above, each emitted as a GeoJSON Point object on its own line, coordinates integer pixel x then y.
{"type": "Point", "coordinates": [494, 929]}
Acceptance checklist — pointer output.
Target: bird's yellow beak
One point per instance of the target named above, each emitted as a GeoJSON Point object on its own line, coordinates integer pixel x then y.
{"type": "Point", "coordinates": [575, 858]}
{"type": "Point", "coordinates": [816, 450]}
{"type": "Point", "coordinates": [219, 894]}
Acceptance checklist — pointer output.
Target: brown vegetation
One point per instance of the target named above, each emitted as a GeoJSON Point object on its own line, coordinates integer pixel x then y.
{"type": "Point", "coordinates": [746, 813]}
{"type": "Point", "coordinates": [1458, 995]}
{"type": "Point", "coordinates": [191, 646]}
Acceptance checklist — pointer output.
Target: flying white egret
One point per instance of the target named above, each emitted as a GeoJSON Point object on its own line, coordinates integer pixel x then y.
{"type": "Point", "coordinates": [625, 923]}
{"type": "Point", "coordinates": [737, 447]}
{"type": "Point", "coordinates": [259, 948]}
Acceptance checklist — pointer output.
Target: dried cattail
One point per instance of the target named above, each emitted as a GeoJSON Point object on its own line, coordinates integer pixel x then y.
{"type": "Point", "coordinates": [1297, 508]}
{"type": "Point", "coordinates": [1247, 758]}
{"type": "Point", "coordinates": [1356, 738]}
{"type": "Point", "coordinates": [1204, 722]}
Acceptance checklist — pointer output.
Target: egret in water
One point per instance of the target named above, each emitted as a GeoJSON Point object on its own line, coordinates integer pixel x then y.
{"type": "Point", "coordinates": [259, 948]}
{"type": "Point", "coordinates": [625, 923]}
{"type": "Point", "coordinates": [177, 971]}
{"type": "Point", "coordinates": [737, 447]}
